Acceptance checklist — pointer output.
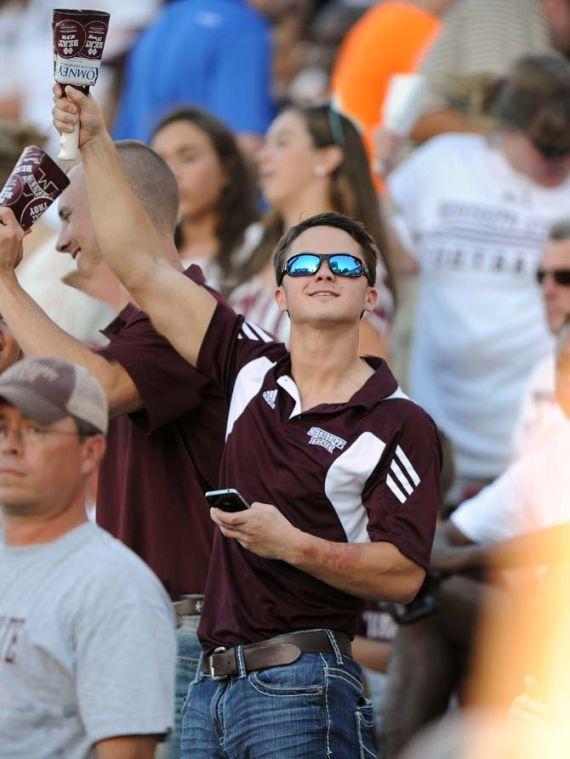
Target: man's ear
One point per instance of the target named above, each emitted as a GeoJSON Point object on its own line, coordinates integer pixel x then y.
{"type": "Point", "coordinates": [370, 299]}
{"type": "Point", "coordinates": [281, 298]}
{"type": "Point", "coordinates": [94, 448]}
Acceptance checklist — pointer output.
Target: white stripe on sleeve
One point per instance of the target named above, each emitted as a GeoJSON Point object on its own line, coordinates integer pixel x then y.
{"type": "Point", "coordinates": [408, 466]}
{"type": "Point", "coordinates": [401, 477]}
{"type": "Point", "coordinates": [395, 489]}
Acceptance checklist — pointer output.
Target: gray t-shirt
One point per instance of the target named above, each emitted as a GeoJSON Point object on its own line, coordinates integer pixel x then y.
{"type": "Point", "coordinates": [87, 646]}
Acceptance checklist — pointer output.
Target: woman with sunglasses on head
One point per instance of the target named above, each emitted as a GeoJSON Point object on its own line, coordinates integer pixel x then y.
{"type": "Point", "coordinates": [313, 160]}
{"type": "Point", "coordinates": [217, 193]}
{"type": "Point", "coordinates": [474, 212]}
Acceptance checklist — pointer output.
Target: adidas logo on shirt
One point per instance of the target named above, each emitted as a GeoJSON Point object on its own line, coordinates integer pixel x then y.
{"type": "Point", "coordinates": [402, 478]}
{"type": "Point", "coordinates": [270, 397]}
{"type": "Point", "coordinates": [325, 439]}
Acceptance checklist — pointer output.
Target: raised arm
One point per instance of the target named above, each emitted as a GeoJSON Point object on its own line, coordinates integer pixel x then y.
{"type": "Point", "coordinates": [37, 335]}
{"type": "Point", "coordinates": [178, 308]}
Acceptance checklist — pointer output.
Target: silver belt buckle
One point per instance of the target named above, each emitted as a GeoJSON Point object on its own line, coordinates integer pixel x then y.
{"type": "Point", "coordinates": [211, 670]}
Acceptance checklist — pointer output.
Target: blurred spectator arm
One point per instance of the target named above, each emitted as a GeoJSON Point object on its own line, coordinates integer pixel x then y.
{"type": "Point", "coordinates": [500, 528]}
{"type": "Point", "coordinates": [444, 120]}
{"type": "Point", "coordinates": [453, 552]}
{"type": "Point", "coordinates": [38, 335]}
{"type": "Point", "coordinates": [371, 653]}
{"type": "Point", "coordinates": [127, 747]}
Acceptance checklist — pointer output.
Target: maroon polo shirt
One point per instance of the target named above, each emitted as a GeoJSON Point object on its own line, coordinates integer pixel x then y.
{"type": "Point", "coordinates": [161, 459]}
{"type": "Point", "coordinates": [366, 470]}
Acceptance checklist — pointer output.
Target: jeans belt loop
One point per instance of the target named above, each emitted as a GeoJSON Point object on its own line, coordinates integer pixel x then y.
{"type": "Point", "coordinates": [189, 605]}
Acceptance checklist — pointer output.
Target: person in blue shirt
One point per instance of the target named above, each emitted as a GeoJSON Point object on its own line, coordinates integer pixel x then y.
{"type": "Point", "coordinates": [214, 54]}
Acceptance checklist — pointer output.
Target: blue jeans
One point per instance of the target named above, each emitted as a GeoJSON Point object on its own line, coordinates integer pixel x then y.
{"type": "Point", "coordinates": [312, 708]}
{"type": "Point", "coordinates": [189, 653]}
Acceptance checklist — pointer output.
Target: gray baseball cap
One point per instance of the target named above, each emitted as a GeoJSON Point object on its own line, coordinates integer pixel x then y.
{"type": "Point", "coordinates": [48, 389]}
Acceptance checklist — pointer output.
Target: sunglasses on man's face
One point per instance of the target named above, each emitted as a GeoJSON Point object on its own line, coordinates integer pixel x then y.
{"type": "Point", "coordinates": [551, 153]}
{"type": "Point", "coordinates": [341, 264]}
{"type": "Point", "coordinates": [560, 276]}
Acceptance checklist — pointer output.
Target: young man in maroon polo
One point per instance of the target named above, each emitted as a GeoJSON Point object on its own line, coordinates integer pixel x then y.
{"type": "Point", "coordinates": [340, 467]}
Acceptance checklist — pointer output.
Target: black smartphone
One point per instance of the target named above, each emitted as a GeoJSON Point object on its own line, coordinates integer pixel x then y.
{"type": "Point", "coordinates": [226, 500]}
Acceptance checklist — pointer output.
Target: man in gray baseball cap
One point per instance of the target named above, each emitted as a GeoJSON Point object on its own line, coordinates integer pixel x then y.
{"type": "Point", "coordinates": [87, 636]}
{"type": "Point", "coordinates": [49, 389]}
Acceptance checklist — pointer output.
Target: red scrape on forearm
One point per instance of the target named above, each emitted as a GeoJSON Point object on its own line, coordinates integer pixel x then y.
{"type": "Point", "coordinates": [341, 557]}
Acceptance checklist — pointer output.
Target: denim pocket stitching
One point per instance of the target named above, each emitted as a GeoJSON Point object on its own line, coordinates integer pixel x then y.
{"type": "Point", "coordinates": [363, 722]}
{"type": "Point", "coordinates": [280, 691]}
{"type": "Point", "coordinates": [185, 701]}
{"type": "Point", "coordinates": [342, 674]}
{"type": "Point", "coordinates": [188, 660]}
{"type": "Point", "coordinates": [327, 710]}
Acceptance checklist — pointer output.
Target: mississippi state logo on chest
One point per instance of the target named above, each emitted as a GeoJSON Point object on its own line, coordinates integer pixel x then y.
{"type": "Point", "coordinates": [326, 440]}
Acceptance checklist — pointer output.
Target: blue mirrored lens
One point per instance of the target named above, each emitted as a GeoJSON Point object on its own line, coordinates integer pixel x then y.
{"type": "Point", "coordinates": [345, 265]}
{"type": "Point", "coordinates": [303, 265]}
{"type": "Point", "coordinates": [341, 264]}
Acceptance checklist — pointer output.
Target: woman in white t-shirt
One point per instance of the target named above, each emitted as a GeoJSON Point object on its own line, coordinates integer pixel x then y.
{"type": "Point", "coordinates": [474, 212]}
{"type": "Point", "coordinates": [313, 160]}
{"type": "Point", "coordinates": [218, 207]}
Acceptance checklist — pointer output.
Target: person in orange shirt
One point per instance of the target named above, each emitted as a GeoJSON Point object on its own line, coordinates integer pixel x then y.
{"type": "Point", "coordinates": [390, 38]}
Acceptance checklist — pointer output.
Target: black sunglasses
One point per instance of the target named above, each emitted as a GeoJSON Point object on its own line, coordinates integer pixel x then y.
{"type": "Point", "coordinates": [560, 276]}
{"type": "Point", "coordinates": [341, 264]}
{"type": "Point", "coordinates": [550, 152]}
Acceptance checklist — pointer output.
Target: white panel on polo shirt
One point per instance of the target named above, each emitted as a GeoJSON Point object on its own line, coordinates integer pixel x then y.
{"type": "Point", "coordinates": [247, 385]}
{"type": "Point", "coordinates": [345, 482]}
{"type": "Point", "coordinates": [288, 384]}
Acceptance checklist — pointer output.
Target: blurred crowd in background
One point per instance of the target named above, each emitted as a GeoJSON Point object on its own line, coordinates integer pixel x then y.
{"type": "Point", "coordinates": [269, 111]}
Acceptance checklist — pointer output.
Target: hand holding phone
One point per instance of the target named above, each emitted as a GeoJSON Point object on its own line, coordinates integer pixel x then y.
{"type": "Point", "coordinates": [228, 500]}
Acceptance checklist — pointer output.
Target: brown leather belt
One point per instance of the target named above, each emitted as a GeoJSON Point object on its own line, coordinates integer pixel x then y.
{"type": "Point", "coordinates": [274, 652]}
{"type": "Point", "coordinates": [188, 606]}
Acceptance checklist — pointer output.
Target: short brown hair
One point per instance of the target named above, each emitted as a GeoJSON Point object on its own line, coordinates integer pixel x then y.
{"type": "Point", "coordinates": [152, 181]}
{"type": "Point", "coordinates": [354, 228]}
{"type": "Point", "coordinates": [535, 99]}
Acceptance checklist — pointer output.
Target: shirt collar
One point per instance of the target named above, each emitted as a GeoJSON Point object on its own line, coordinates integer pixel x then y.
{"type": "Point", "coordinates": [382, 384]}
{"type": "Point", "coordinates": [122, 318]}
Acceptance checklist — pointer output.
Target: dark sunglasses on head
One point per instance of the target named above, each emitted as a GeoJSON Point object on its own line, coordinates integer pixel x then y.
{"type": "Point", "coordinates": [341, 264]}
{"type": "Point", "coordinates": [550, 152]}
{"type": "Point", "coordinates": [560, 276]}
